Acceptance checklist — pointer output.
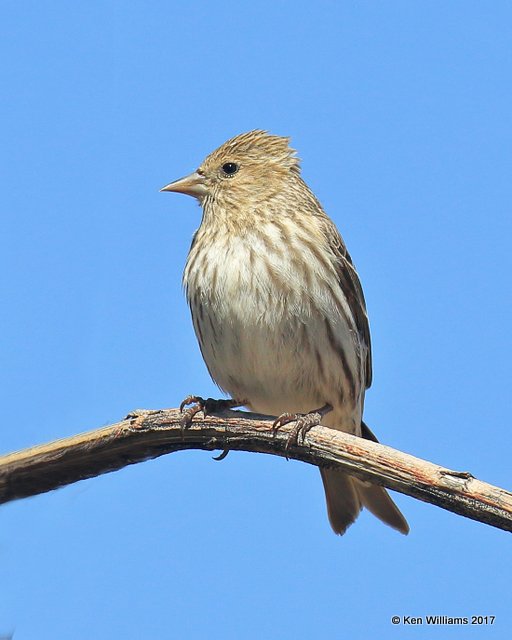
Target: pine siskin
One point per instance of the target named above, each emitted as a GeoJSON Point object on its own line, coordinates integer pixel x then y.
{"type": "Point", "coordinates": [277, 305]}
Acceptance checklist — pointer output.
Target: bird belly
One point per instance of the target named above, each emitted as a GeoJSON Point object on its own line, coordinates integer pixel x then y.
{"type": "Point", "coordinates": [265, 340]}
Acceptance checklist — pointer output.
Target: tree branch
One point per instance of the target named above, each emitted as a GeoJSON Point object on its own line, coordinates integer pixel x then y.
{"type": "Point", "coordinates": [148, 434]}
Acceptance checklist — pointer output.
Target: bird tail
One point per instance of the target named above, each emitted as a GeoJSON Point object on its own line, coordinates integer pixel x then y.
{"type": "Point", "coordinates": [346, 496]}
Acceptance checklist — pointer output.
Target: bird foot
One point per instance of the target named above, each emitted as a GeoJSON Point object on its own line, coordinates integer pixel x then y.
{"type": "Point", "coordinates": [208, 406]}
{"type": "Point", "coordinates": [304, 422]}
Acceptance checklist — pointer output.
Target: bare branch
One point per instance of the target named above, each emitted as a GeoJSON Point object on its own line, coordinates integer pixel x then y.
{"type": "Point", "coordinates": [149, 434]}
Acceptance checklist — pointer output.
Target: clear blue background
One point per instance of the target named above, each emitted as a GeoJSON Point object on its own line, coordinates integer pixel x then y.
{"type": "Point", "coordinates": [402, 114]}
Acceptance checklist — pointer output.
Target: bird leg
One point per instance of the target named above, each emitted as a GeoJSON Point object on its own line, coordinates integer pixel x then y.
{"type": "Point", "coordinates": [305, 421]}
{"type": "Point", "coordinates": [208, 406]}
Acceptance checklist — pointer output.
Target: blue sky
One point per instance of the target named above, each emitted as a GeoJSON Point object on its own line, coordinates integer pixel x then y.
{"type": "Point", "coordinates": [402, 114]}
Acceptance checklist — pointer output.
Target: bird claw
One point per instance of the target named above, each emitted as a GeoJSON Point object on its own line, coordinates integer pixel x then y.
{"type": "Point", "coordinates": [208, 406]}
{"type": "Point", "coordinates": [198, 404]}
{"type": "Point", "coordinates": [222, 455]}
{"type": "Point", "coordinates": [304, 422]}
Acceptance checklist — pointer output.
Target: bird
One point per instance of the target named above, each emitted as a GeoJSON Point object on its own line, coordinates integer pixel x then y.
{"type": "Point", "coordinates": [277, 305]}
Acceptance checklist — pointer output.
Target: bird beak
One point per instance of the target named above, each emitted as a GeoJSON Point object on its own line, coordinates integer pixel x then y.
{"type": "Point", "coordinates": [192, 185]}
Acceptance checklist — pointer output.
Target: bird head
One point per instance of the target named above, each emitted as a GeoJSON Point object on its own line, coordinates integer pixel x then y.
{"type": "Point", "coordinates": [247, 169]}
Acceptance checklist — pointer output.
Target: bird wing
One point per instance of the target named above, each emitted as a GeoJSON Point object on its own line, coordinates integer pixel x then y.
{"type": "Point", "coordinates": [351, 286]}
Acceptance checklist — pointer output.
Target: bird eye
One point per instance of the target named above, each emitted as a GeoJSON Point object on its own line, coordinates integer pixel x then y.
{"type": "Point", "coordinates": [229, 168]}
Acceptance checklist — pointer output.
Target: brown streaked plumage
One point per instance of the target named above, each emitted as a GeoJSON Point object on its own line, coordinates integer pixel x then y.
{"type": "Point", "coordinates": [277, 304]}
